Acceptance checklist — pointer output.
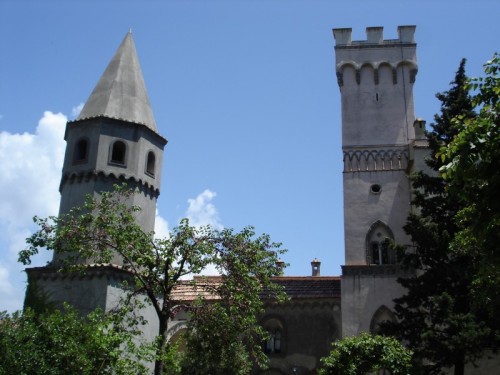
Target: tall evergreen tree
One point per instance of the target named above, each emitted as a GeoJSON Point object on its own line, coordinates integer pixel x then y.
{"type": "Point", "coordinates": [435, 316]}
{"type": "Point", "coordinates": [472, 173]}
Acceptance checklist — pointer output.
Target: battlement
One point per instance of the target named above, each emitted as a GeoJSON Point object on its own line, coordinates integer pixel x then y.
{"type": "Point", "coordinates": [374, 36]}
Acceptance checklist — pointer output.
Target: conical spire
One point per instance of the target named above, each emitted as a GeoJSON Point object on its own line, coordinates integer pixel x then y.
{"type": "Point", "coordinates": [121, 92]}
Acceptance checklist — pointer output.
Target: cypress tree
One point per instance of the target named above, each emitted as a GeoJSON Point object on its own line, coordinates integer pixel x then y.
{"type": "Point", "coordinates": [436, 317]}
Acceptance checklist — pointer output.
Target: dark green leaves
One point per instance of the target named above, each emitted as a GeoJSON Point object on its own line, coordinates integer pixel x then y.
{"type": "Point", "coordinates": [364, 354]}
{"type": "Point", "coordinates": [62, 342]}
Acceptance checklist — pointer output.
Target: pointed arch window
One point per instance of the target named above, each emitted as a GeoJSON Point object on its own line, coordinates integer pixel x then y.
{"type": "Point", "coordinates": [150, 164]}
{"type": "Point", "coordinates": [118, 153]}
{"type": "Point", "coordinates": [382, 315]}
{"type": "Point", "coordinates": [378, 245]}
{"type": "Point", "coordinates": [81, 150]}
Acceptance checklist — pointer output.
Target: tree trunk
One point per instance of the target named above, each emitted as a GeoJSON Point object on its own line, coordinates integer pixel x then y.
{"type": "Point", "coordinates": [162, 345]}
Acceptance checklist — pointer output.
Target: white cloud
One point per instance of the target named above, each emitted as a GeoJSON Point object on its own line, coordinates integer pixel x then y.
{"type": "Point", "coordinates": [161, 227]}
{"type": "Point", "coordinates": [30, 171]}
{"type": "Point", "coordinates": [11, 300]}
{"type": "Point", "coordinates": [202, 212]}
{"type": "Point", "coordinates": [5, 285]}
{"type": "Point", "coordinates": [75, 111]}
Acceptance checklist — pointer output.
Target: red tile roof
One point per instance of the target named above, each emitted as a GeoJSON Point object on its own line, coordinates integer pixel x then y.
{"type": "Point", "coordinates": [310, 286]}
{"type": "Point", "coordinates": [295, 287]}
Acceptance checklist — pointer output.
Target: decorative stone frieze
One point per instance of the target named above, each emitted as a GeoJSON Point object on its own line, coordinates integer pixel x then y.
{"type": "Point", "coordinates": [306, 304]}
{"type": "Point", "coordinates": [372, 270]}
{"type": "Point", "coordinates": [375, 159]}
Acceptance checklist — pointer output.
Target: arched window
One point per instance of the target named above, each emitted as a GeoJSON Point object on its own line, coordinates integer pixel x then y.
{"type": "Point", "coordinates": [118, 152]}
{"type": "Point", "coordinates": [383, 314]}
{"type": "Point", "coordinates": [273, 343]}
{"type": "Point", "coordinates": [276, 340]}
{"type": "Point", "coordinates": [378, 249]}
{"type": "Point", "coordinates": [80, 152]}
{"type": "Point", "coordinates": [150, 164]}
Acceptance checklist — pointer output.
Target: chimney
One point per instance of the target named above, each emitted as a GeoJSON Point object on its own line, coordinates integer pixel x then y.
{"type": "Point", "coordinates": [419, 126]}
{"type": "Point", "coordinates": [316, 264]}
{"type": "Point", "coordinates": [280, 264]}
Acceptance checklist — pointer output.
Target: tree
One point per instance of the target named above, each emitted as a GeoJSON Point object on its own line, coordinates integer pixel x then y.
{"type": "Point", "coordinates": [436, 317]}
{"type": "Point", "coordinates": [105, 227]}
{"type": "Point", "coordinates": [61, 342]}
{"type": "Point", "coordinates": [364, 354]}
{"type": "Point", "coordinates": [224, 336]}
{"type": "Point", "coordinates": [472, 171]}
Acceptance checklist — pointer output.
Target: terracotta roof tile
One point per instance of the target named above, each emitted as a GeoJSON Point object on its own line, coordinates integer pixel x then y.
{"type": "Point", "coordinates": [295, 287]}
{"type": "Point", "coordinates": [310, 287]}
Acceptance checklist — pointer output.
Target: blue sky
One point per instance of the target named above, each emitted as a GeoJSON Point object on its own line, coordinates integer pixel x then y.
{"type": "Point", "coordinates": [245, 92]}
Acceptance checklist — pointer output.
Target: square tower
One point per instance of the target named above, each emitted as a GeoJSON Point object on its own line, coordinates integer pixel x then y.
{"type": "Point", "coordinates": [376, 78]}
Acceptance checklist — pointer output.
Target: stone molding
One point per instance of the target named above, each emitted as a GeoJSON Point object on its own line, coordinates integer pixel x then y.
{"type": "Point", "coordinates": [92, 174]}
{"type": "Point", "coordinates": [375, 66]}
{"type": "Point", "coordinates": [369, 270]}
{"type": "Point", "coordinates": [115, 120]}
{"type": "Point", "coordinates": [295, 304]}
{"type": "Point", "coordinates": [375, 159]}
{"type": "Point", "coordinates": [92, 271]}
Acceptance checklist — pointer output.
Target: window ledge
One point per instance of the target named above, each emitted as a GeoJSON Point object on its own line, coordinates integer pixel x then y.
{"type": "Point", "coordinates": [117, 164]}
{"type": "Point", "coordinates": [80, 162]}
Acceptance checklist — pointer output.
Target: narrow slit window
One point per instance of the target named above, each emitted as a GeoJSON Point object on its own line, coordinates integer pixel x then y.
{"type": "Point", "coordinates": [150, 164]}
{"type": "Point", "coordinates": [118, 152]}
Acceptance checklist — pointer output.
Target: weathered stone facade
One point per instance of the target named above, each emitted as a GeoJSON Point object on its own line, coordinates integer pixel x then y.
{"type": "Point", "coordinates": [376, 79]}
{"type": "Point", "coordinates": [116, 139]}
{"type": "Point", "coordinates": [113, 140]}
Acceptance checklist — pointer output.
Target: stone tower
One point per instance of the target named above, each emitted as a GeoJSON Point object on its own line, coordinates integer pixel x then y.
{"type": "Point", "coordinates": [113, 140]}
{"type": "Point", "coordinates": [376, 78]}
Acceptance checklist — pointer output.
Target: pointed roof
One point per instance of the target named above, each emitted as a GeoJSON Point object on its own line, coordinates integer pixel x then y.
{"type": "Point", "coordinates": [121, 92]}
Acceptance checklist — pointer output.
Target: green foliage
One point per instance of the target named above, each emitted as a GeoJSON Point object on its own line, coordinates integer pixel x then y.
{"type": "Point", "coordinates": [436, 316]}
{"type": "Point", "coordinates": [364, 354]}
{"type": "Point", "coordinates": [224, 336]}
{"type": "Point", "coordinates": [105, 229]}
{"type": "Point", "coordinates": [171, 358]}
{"type": "Point", "coordinates": [216, 345]}
{"type": "Point", "coordinates": [62, 342]}
{"type": "Point", "coordinates": [37, 300]}
{"type": "Point", "coordinates": [472, 171]}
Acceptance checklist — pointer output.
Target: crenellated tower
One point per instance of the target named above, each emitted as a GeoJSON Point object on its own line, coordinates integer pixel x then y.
{"type": "Point", "coordinates": [376, 78]}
